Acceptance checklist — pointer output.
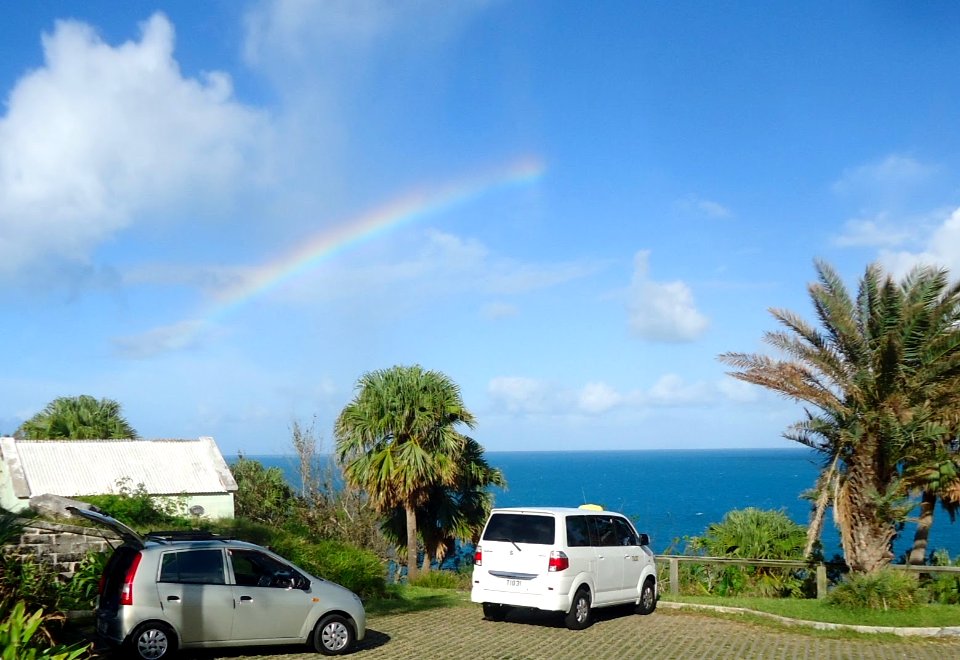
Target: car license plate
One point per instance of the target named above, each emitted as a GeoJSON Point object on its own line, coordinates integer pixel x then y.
{"type": "Point", "coordinates": [513, 583]}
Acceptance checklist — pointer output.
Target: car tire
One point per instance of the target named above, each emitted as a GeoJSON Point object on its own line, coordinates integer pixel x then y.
{"type": "Point", "coordinates": [578, 617]}
{"type": "Point", "coordinates": [152, 641]}
{"type": "Point", "coordinates": [333, 635]}
{"type": "Point", "coordinates": [648, 597]}
{"type": "Point", "coordinates": [494, 611]}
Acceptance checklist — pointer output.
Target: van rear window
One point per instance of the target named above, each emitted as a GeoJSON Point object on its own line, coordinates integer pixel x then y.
{"type": "Point", "coordinates": [520, 528]}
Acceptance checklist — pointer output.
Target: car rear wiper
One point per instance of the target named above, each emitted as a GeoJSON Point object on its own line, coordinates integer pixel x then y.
{"type": "Point", "coordinates": [504, 538]}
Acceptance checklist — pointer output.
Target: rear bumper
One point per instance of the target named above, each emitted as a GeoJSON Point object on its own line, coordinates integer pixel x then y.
{"type": "Point", "coordinates": [550, 602]}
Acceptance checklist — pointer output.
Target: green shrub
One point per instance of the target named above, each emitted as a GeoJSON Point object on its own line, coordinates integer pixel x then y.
{"type": "Point", "coordinates": [262, 493]}
{"type": "Point", "coordinates": [439, 579]}
{"type": "Point", "coordinates": [943, 588]}
{"type": "Point", "coordinates": [887, 589]}
{"type": "Point", "coordinates": [21, 636]}
{"type": "Point", "coordinates": [748, 534]}
{"type": "Point", "coordinates": [135, 507]}
{"type": "Point", "coordinates": [81, 589]}
{"type": "Point", "coordinates": [31, 580]}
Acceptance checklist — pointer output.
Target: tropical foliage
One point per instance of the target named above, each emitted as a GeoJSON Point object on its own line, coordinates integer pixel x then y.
{"type": "Point", "coordinates": [263, 494]}
{"type": "Point", "coordinates": [451, 512]}
{"type": "Point", "coordinates": [136, 507]}
{"type": "Point", "coordinates": [886, 589]}
{"type": "Point", "coordinates": [32, 597]}
{"type": "Point", "coordinates": [79, 418]}
{"type": "Point", "coordinates": [882, 377]}
{"type": "Point", "coordinates": [398, 440]}
{"type": "Point", "coordinates": [21, 636]}
{"type": "Point", "coordinates": [748, 534]}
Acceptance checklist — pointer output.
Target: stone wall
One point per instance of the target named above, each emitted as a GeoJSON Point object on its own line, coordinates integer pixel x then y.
{"type": "Point", "coordinates": [61, 545]}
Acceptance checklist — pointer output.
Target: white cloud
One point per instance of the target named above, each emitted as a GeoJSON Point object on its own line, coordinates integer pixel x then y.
{"type": "Point", "coordinates": [942, 248]}
{"type": "Point", "coordinates": [672, 390]}
{"type": "Point", "coordinates": [518, 395]}
{"type": "Point", "coordinates": [498, 310]}
{"type": "Point", "coordinates": [100, 135]}
{"type": "Point", "coordinates": [295, 31]}
{"type": "Point", "coordinates": [598, 397]}
{"type": "Point", "coordinates": [662, 311]}
{"type": "Point", "coordinates": [707, 207]}
{"type": "Point", "coordinates": [871, 232]}
{"type": "Point", "coordinates": [738, 391]}
{"type": "Point", "coordinates": [175, 337]}
{"type": "Point", "coordinates": [892, 173]}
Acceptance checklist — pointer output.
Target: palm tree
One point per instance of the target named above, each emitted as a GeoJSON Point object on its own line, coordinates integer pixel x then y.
{"type": "Point", "coordinates": [934, 474]}
{"type": "Point", "coordinates": [450, 513]}
{"type": "Point", "coordinates": [883, 376]}
{"type": "Point", "coordinates": [397, 439]}
{"type": "Point", "coordinates": [79, 418]}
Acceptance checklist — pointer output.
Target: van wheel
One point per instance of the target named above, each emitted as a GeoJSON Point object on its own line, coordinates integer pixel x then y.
{"type": "Point", "coordinates": [494, 611]}
{"type": "Point", "coordinates": [578, 617]}
{"type": "Point", "coordinates": [333, 635]}
{"type": "Point", "coordinates": [152, 641]}
{"type": "Point", "coordinates": [648, 597]}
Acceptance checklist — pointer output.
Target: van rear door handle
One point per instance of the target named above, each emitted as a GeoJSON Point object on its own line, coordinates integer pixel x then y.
{"type": "Point", "coordinates": [173, 598]}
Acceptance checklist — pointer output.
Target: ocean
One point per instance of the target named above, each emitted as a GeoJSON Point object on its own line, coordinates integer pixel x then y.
{"type": "Point", "coordinates": [671, 494]}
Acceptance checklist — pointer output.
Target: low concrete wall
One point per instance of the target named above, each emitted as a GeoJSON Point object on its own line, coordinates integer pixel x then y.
{"type": "Point", "coordinates": [61, 545]}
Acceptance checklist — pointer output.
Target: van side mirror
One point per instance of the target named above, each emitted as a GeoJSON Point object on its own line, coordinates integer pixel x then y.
{"type": "Point", "coordinates": [644, 539]}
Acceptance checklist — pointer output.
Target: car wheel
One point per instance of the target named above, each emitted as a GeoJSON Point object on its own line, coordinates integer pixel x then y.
{"type": "Point", "coordinates": [153, 641]}
{"type": "Point", "coordinates": [578, 617]}
{"type": "Point", "coordinates": [494, 611]}
{"type": "Point", "coordinates": [333, 635]}
{"type": "Point", "coordinates": [648, 597]}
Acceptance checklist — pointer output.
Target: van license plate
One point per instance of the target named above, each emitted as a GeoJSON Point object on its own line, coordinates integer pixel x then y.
{"type": "Point", "coordinates": [513, 583]}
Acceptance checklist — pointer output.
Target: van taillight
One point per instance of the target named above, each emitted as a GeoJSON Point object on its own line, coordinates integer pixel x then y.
{"type": "Point", "coordinates": [558, 561]}
{"type": "Point", "coordinates": [126, 594]}
{"type": "Point", "coordinates": [478, 557]}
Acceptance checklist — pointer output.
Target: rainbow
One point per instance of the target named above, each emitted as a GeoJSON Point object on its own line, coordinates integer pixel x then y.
{"type": "Point", "coordinates": [377, 222]}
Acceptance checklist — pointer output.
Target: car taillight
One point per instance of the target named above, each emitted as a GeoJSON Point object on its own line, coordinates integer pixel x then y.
{"type": "Point", "coordinates": [558, 561]}
{"type": "Point", "coordinates": [126, 594]}
{"type": "Point", "coordinates": [478, 557]}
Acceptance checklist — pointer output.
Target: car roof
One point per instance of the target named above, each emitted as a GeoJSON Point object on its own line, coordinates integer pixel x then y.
{"type": "Point", "coordinates": [554, 510]}
{"type": "Point", "coordinates": [154, 542]}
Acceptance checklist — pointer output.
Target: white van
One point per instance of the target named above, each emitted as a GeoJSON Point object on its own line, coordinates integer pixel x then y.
{"type": "Point", "coordinates": [562, 559]}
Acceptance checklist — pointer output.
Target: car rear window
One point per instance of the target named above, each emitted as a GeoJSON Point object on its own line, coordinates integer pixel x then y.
{"type": "Point", "coordinates": [520, 528]}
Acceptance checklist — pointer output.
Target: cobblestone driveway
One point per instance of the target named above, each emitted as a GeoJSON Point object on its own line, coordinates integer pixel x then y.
{"type": "Point", "coordinates": [461, 632]}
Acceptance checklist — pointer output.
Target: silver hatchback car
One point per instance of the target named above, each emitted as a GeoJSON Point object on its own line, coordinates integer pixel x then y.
{"type": "Point", "coordinates": [171, 590]}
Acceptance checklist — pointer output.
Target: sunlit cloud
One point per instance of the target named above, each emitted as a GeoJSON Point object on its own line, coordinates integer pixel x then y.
{"type": "Point", "coordinates": [101, 137]}
{"type": "Point", "coordinates": [662, 311]}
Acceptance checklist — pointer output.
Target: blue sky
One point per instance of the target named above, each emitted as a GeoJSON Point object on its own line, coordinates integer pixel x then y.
{"type": "Point", "coordinates": [161, 164]}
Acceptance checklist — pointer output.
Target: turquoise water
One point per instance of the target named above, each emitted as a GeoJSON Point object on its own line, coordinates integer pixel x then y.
{"type": "Point", "coordinates": [671, 494]}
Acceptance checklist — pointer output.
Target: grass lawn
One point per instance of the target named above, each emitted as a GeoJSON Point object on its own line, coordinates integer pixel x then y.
{"type": "Point", "coordinates": [407, 598]}
{"type": "Point", "coordinates": [817, 610]}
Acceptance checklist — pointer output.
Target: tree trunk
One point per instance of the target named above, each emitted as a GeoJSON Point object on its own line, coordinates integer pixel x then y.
{"type": "Point", "coordinates": [826, 485]}
{"type": "Point", "coordinates": [427, 561]}
{"type": "Point", "coordinates": [411, 542]}
{"type": "Point", "coordinates": [864, 533]}
{"type": "Point", "coordinates": [918, 554]}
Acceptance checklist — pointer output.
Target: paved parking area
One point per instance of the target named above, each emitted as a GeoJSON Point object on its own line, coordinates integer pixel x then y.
{"type": "Point", "coordinates": [461, 632]}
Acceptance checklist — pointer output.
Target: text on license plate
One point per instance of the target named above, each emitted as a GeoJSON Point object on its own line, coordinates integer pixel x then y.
{"type": "Point", "coordinates": [513, 583]}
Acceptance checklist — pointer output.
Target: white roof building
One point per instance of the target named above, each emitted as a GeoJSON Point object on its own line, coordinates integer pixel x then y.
{"type": "Point", "coordinates": [193, 471]}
